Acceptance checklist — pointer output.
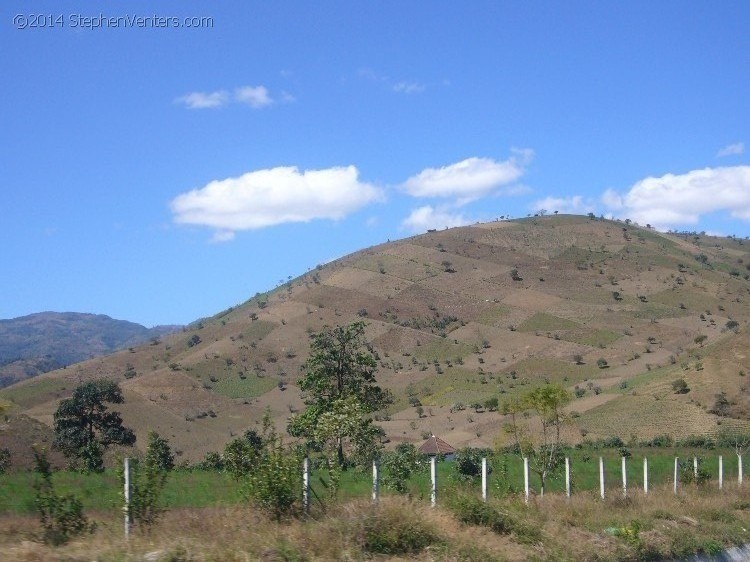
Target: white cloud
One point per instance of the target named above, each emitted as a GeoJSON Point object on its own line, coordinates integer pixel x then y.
{"type": "Point", "coordinates": [254, 96]}
{"type": "Point", "coordinates": [204, 100]}
{"type": "Point", "coordinates": [408, 88]}
{"type": "Point", "coordinates": [273, 196]}
{"type": "Point", "coordinates": [732, 150]}
{"type": "Point", "coordinates": [469, 179]}
{"type": "Point", "coordinates": [674, 200]}
{"type": "Point", "coordinates": [424, 218]}
{"type": "Point", "coordinates": [575, 204]}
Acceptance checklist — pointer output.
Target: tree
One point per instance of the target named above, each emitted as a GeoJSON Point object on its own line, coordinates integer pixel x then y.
{"type": "Point", "coordinates": [680, 386]}
{"type": "Point", "coordinates": [84, 428]}
{"type": "Point", "coordinates": [491, 404]}
{"type": "Point", "coordinates": [545, 452]}
{"type": "Point", "coordinates": [341, 392]}
{"type": "Point", "coordinates": [4, 460]}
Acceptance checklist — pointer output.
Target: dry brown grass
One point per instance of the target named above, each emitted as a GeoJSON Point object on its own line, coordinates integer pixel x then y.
{"type": "Point", "coordinates": [552, 528]}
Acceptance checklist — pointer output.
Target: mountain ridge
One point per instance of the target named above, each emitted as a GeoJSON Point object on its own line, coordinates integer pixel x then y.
{"type": "Point", "coordinates": [45, 341]}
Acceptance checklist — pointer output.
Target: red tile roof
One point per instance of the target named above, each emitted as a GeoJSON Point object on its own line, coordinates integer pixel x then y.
{"type": "Point", "coordinates": [434, 445]}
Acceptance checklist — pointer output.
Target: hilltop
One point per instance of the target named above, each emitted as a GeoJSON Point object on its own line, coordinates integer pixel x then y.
{"type": "Point", "coordinates": [614, 311]}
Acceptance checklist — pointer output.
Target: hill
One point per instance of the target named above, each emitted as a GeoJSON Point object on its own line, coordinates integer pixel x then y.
{"type": "Point", "coordinates": [38, 343]}
{"type": "Point", "coordinates": [613, 311]}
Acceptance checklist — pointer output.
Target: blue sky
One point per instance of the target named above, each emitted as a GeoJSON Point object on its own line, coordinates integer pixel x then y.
{"type": "Point", "coordinates": [160, 174]}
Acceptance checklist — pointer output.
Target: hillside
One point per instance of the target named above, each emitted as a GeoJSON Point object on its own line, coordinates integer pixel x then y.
{"type": "Point", "coordinates": [456, 317]}
{"type": "Point", "coordinates": [38, 343]}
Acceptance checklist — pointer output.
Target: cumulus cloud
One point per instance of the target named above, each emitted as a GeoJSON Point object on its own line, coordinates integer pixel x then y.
{"type": "Point", "coordinates": [273, 196]}
{"type": "Point", "coordinates": [673, 200]}
{"type": "Point", "coordinates": [204, 100]}
{"type": "Point", "coordinates": [256, 97]}
{"type": "Point", "coordinates": [575, 204]}
{"type": "Point", "coordinates": [469, 179]}
{"type": "Point", "coordinates": [731, 150]}
{"type": "Point", "coordinates": [424, 218]}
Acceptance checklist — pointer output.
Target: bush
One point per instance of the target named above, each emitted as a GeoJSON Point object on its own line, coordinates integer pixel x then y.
{"type": "Point", "coordinates": [473, 511]}
{"type": "Point", "coordinates": [468, 463]}
{"type": "Point", "coordinates": [147, 479]}
{"type": "Point", "coordinates": [4, 460]}
{"type": "Point", "coordinates": [61, 516]}
{"type": "Point", "coordinates": [399, 466]}
{"type": "Point", "coordinates": [275, 482]}
{"type": "Point", "coordinates": [680, 386]}
{"type": "Point", "coordinates": [393, 530]}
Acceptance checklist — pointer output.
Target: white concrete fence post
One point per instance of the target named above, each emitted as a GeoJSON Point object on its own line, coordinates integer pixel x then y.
{"type": "Point", "coordinates": [676, 472]}
{"type": "Point", "coordinates": [433, 477]}
{"type": "Point", "coordinates": [484, 479]}
{"type": "Point", "coordinates": [624, 478]}
{"type": "Point", "coordinates": [601, 477]}
{"type": "Point", "coordinates": [127, 497]}
{"type": "Point", "coordinates": [375, 479]}
{"type": "Point", "coordinates": [526, 479]}
{"type": "Point", "coordinates": [306, 485]}
{"type": "Point", "coordinates": [645, 475]}
{"type": "Point", "coordinates": [721, 472]}
{"type": "Point", "coordinates": [567, 477]}
{"type": "Point", "coordinates": [739, 470]}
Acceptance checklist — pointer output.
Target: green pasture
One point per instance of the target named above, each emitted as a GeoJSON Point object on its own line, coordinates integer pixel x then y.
{"type": "Point", "coordinates": [197, 488]}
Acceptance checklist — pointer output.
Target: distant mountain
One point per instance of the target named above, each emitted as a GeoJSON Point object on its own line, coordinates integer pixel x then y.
{"type": "Point", "coordinates": [38, 343]}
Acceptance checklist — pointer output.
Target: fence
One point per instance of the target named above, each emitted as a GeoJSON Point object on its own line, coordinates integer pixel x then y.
{"type": "Point", "coordinates": [628, 472]}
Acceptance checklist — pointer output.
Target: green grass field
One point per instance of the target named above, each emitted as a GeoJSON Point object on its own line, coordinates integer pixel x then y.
{"type": "Point", "coordinates": [198, 489]}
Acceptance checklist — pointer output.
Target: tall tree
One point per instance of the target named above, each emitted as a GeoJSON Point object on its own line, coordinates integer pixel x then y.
{"type": "Point", "coordinates": [341, 391]}
{"type": "Point", "coordinates": [544, 450]}
{"type": "Point", "coordinates": [84, 427]}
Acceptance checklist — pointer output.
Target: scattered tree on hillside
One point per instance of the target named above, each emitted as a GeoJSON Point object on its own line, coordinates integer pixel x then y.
{"type": "Point", "coordinates": [732, 325]}
{"type": "Point", "coordinates": [721, 406]}
{"type": "Point", "coordinates": [341, 392]}
{"type": "Point", "coordinates": [4, 460]}
{"type": "Point", "coordinates": [680, 386]}
{"type": "Point", "coordinates": [84, 427]}
{"type": "Point", "coordinates": [544, 451]}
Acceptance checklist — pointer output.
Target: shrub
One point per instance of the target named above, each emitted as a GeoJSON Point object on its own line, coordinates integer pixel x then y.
{"type": "Point", "coordinates": [275, 481]}
{"type": "Point", "coordinates": [602, 363]}
{"type": "Point", "coordinates": [468, 463]}
{"type": "Point", "coordinates": [399, 466]}
{"type": "Point", "coordinates": [4, 460]}
{"type": "Point", "coordinates": [393, 530]}
{"type": "Point", "coordinates": [680, 386]}
{"type": "Point", "coordinates": [61, 516]}
{"type": "Point", "coordinates": [473, 511]}
{"type": "Point", "coordinates": [147, 479]}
